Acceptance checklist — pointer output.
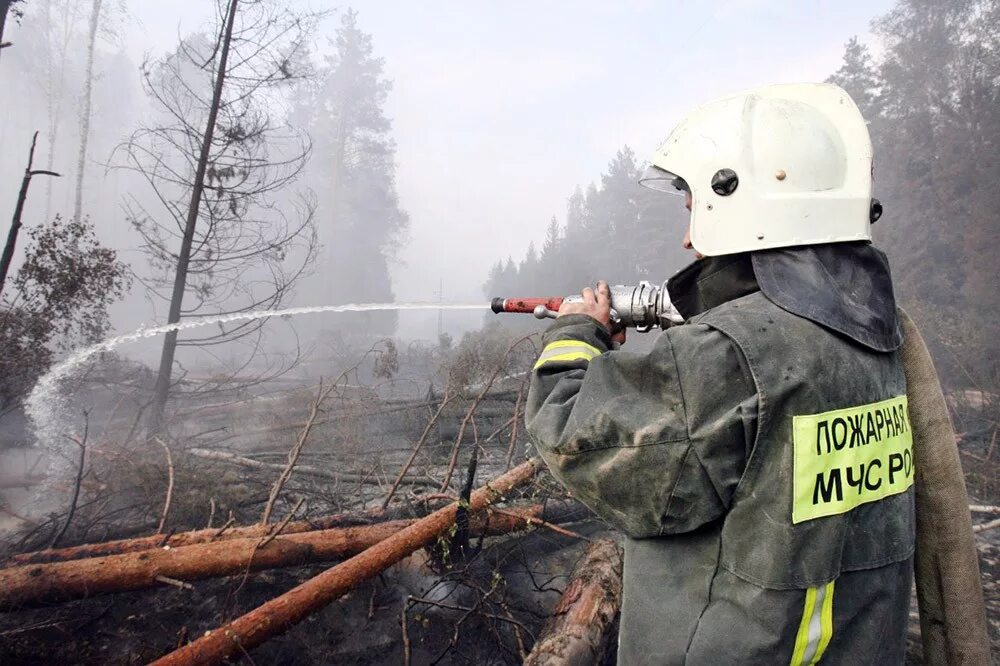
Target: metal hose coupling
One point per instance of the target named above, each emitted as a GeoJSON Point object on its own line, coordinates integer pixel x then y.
{"type": "Point", "coordinates": [643, 306]}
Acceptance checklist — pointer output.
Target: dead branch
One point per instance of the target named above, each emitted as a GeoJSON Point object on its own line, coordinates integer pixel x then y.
{"type": "Point", "coordinates": [416, 449]}
{"type": "Point", "coordinates": [82, 443]}
{"type": "Point", "coordinates": [282, 525]}
{"type": "Point", "coordinates": [166, 580]}
{"type": "Point", "coordinates": [982, 508]}
{"type": "Point", "coordinates": [460, 541]}
{"type": "Point", "coordinates": [307, 470]}
{"type": "Point", "coordinates": [465, 421]}
{"type": "Point", "coordinates": [577, 631]}
{"type": "Point", "coordinates": [280, 613]}
{"type": "Point", "coordinates": [984, 527]}
{"type": "Point", "coordinates": [406, 637]}
{"type": "Point", "coordinates": [517, 410]}
{"type": "Point", "coordinates": [293, 454]}
{"type": "Point", "coordinates": [170, 486]}
{"type": "Point", "coordinates": [472, 410]}
{"type": "Point", "coordinates": [469, 611]}
{"type": "Point", "coordinates": [541, 523]}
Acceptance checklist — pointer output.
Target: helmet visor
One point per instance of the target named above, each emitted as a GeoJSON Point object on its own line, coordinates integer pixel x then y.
{"type": "Point", "coordinates": [661, 180]}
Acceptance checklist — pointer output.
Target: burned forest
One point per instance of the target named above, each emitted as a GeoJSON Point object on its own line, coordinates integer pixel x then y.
{"type": "Point", "coordinates": [267, 362]}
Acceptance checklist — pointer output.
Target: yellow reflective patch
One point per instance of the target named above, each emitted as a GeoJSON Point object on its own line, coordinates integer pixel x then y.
{"type": "Point", "coordinates": [847, 457]}
{"type": "Point", "coordinates": [568, 356]}
{"type": "Point", "coordinates": [560, 344]}
{"type": "Point", "coordinates": [567, 350]}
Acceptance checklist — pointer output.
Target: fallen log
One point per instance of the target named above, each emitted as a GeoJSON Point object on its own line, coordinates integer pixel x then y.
{"type": "Point", "coordinates": [29, 585]}
{"type": "Point", "coordinates": [554, 512]}
{"type": "Point", "coordinates": [577, 631]}
{"type": "Point", "coordinates": [209, 535]}
{"type": "Point", "coordinates": [282, 612]}
{"type": "Point", "coordinates": [307, 470]}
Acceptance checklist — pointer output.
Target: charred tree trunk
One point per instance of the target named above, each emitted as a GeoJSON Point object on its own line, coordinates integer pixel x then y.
{"type": "Point", "coordinates": [15, 224]}
{"type": "Point", "coordinates": [577, 632]}
{"type": "Point", "coordinates": [162, 388]}
{"type": "Point", "coordinates": [279, 614]}
{"type": "Point", "coordinates": [460, 542]}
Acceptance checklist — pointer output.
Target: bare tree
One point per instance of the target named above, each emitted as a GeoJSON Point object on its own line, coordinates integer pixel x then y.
{"type": "Point", "coordinates": [219, 235]}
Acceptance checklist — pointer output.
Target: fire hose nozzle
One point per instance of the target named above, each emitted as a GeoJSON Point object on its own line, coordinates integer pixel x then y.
{"type": "Point", "coordinates": [643, 306]}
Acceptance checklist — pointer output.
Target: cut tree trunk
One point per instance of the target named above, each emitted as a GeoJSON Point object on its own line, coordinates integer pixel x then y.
{"type": "Point", "coordinates": [579, 628]}
{"type": "Point", "coordinates": [33, 584]}
{"type": "Point", "coordinates": [210, 535]}
{"type": "Point", "coordinates": [307, 470]}
{"type": "Point", "coordinates": [279, 614]}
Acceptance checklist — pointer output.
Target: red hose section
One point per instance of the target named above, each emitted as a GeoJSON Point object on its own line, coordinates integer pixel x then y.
{"type": "Point", "coordinates": [528, 304]}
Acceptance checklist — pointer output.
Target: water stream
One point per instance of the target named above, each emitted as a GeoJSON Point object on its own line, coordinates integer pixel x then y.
{"type": "Point", "coordinates": [48, 409]}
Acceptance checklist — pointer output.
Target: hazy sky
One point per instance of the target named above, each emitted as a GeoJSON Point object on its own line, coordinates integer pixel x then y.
{"type": "Point", "coordinates": [501, 108]}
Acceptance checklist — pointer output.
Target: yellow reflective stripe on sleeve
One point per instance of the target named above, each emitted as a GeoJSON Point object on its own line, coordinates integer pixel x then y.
{"type": "Point", "coordinates": [816, 627]}
{"type": "Point", "coordinates": [567, 350]}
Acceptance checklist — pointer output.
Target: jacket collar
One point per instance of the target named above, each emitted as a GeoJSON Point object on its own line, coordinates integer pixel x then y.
{"type": "Point", "coordinates": [710, 282]}
{"type": "Point", "coordinates": [845, 287]}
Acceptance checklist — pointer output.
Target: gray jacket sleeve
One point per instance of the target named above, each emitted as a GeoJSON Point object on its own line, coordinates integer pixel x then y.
{"type": "Point", "coordinates": [653, 442]}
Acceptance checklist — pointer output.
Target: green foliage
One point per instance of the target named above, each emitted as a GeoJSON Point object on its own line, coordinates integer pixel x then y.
{"type": "Point", "coordinates": [58, 300]}
{"type": "Point", "coordinates": [859, 77]}
{"type": "Point", "coordinates": [935, 133]}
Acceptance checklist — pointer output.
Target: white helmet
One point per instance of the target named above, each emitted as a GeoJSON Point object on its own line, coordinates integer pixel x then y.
{"type": "Point", "coordinates": [776, 166]}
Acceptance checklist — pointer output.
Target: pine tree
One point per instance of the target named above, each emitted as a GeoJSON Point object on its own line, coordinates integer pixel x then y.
{"type": "Point", "coordinates": [858, 76]}
{"type": "Point", "coordinates": [551, 239]}
{"type": "Point", "coordinates": [940, 87]}
{"type": "Point", "coordinates": [354, 172]}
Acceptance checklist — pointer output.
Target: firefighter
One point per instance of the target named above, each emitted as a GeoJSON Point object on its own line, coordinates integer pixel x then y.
{"type": "Point", "coordinates": [758, 459]}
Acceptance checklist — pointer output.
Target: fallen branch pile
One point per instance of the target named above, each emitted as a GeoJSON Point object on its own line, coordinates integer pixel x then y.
{"type": "Point", "coordinates": [279, 614]}
{"type": "Point", "coordinates": [31, 584]}
{"type": "Point", "coordinates": [128, 564]}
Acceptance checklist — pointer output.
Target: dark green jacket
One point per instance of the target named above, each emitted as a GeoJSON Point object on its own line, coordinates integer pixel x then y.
{"type": "Point", "coordinates": [759, 465]}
